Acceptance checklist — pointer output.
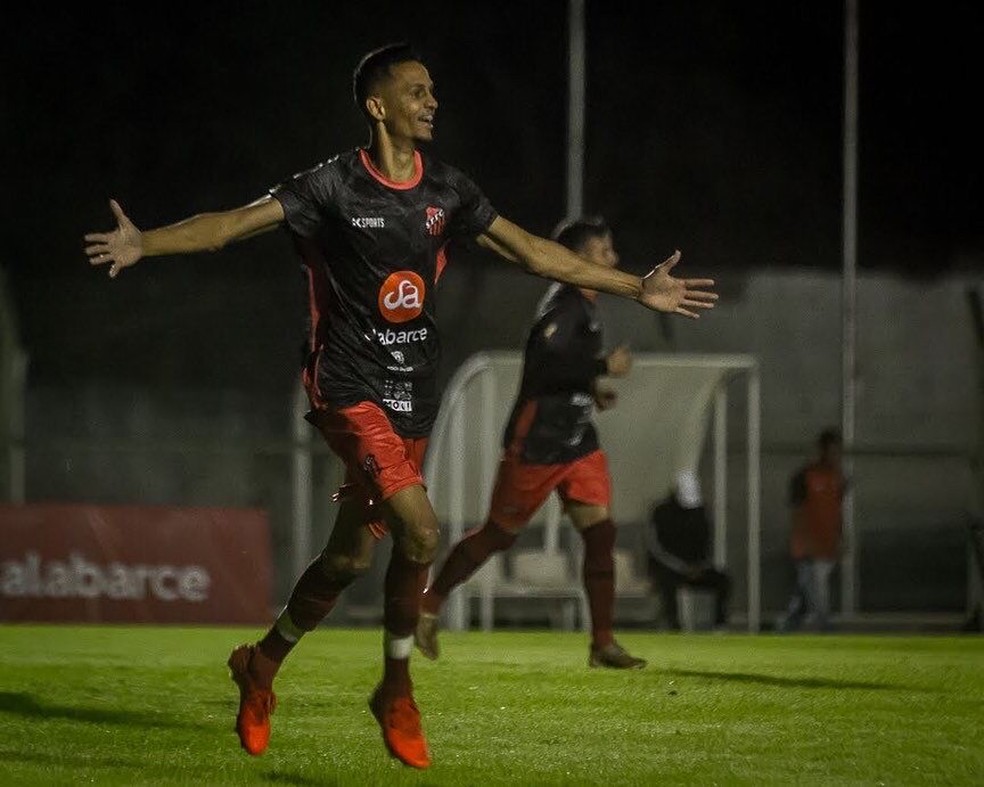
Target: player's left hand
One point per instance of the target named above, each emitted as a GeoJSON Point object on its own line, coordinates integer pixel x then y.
{"type": "Point", "coordinates": [662, 292]}
{"type": "Point", "coordinates": [605, 398]}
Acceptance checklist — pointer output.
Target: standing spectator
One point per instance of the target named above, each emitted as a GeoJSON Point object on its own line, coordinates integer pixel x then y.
{"type": "Point", "coordinates": [816, 495]}
{"type": "Point", "coordinates": [679, 547]}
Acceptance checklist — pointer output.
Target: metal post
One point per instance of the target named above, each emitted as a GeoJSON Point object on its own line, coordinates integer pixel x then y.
{"type": "Point", "coordinates": [575, 108]}
{"type": "Point", "coordinates": [754, 503]}
{"type": "Point", "coordinates": [849, 578]}
{"type": "Point", "coordinates": [301, 484]}
{"type": "Point", "coordinates": [456, 506]}
{"type": "Point", "coordinates": [721, 477]}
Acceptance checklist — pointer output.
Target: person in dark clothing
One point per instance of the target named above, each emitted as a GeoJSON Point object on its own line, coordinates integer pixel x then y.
{"type": "Point", "coordinates": [550, 445]}
{"type": "Point", "coordinates": [679, 550]}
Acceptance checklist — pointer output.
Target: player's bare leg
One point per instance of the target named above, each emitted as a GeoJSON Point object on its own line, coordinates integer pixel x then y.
{"type": "Point", "coordinates": [414, 526]}
{"type": "Point", "coordinates": [425, 636]}
{"type": "Point", "coordinates": [464, 560]}
{"type": "Point", "coordinates": [254, 666]}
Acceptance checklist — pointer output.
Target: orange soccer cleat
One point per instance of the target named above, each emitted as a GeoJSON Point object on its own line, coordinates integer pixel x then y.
{"type": "Point", "coordinates": [256, 703]}
{"type": "Point", "coordinates": [399, 719]}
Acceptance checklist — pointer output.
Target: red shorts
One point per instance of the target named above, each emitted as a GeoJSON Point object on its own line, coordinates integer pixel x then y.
{"type": "Point", "coordinates": [378, 462]}
{"type": "Point", "coordinates": [520, 489]}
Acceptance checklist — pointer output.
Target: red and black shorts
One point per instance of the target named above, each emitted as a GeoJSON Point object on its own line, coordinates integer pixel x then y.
{"type": "Point", "coordinates": [520, 489]}
{"type": "Point", "coordinates": [378, 461]}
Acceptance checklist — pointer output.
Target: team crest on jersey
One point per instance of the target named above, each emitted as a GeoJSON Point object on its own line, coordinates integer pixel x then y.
{"type": "Point", "coordinates": [435, 221]}
{"type": "Point", "coordinates": [401, 298]}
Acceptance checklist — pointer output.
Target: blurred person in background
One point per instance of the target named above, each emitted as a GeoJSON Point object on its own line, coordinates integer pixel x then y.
{"type": "Point", "coordinates": [816, 495]}
{"type": "Point", "coordinates": [679, 551]}
{"type": "Point", "coordinates": [372, 226]}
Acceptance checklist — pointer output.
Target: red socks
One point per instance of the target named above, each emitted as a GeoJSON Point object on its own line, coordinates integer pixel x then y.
{"type": "Point", "coordinates": [403, 588]}
{"type": "Point", "coordinates": [599, 579]}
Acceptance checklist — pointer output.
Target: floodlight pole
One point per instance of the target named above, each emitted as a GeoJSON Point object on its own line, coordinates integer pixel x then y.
{"type": "Point", "coordinates": [849, 577]}
{"type": "Point", "coordinates": [301, 483]}
{"type": "Point", "coordinates": [576, 58]}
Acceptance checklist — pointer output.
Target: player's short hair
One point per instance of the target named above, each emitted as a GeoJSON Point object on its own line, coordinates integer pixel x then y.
{"type": "Point", "coordinates": [575, 233]}
{"type": "Point", "coordinates": [830, 436]}
{"type": "Point", "coordinates": [375, 67]}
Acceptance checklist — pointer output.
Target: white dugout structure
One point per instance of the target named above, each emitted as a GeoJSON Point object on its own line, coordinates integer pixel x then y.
{"type": "Point", "coordinates": [668, 406]}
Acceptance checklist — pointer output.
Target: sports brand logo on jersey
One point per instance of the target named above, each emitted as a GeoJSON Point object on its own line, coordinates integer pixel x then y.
{"type": "Point", "coordinates": [368, 222]}
{"type": "Point", "coordinates": [435, 221]}
{"type": "Point", "coordinates": [401, 298]}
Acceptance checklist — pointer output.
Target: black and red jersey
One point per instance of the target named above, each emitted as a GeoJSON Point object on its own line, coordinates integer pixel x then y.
{"type": "Point", "coordinates": [551, 419]}
{"type": "Point", "coordinates": [373, 251]}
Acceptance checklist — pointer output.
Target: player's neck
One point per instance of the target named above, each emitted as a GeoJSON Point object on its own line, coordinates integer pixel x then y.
{"type": "Point", "coordinates": [394, 160]}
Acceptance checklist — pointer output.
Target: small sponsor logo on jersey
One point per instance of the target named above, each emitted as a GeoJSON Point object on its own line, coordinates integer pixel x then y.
{"type": "Point", "coordinates": [435, 221]}
{"type": "Point", "coordinates": [398, 395]}
{"type": "Point", "coordinates": [398, 357]}
{"type": "Point", "coordinates": [368, 222]}
{"type": "Point", "coordinates": [401, 298]}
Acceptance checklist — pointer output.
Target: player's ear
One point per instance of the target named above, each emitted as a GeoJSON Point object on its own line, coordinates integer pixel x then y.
{"type": "Point", "coordinates": [376, 107]}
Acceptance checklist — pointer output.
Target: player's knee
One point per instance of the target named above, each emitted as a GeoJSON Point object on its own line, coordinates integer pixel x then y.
{"type": "Point", "coordinates": [601, 533]}
{"type": "Point", "coordinates": [343, 569]}
{"type": "Point", "coordinates": [421, 542]}
{"type": "Point", "coordinates": [498, 537]}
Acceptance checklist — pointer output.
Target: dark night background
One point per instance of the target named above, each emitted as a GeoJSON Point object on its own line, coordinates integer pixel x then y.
{"type": "Point", "coordinates": [713, 127]}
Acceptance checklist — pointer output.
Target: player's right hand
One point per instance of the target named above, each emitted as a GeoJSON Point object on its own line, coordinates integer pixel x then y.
{"type": "Point", "coordinates": [120, 248]}
{"type": "Point", "coordinates": [619, 361]}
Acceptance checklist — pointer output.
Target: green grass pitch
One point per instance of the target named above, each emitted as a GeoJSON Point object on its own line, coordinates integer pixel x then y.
{"type": "Point", "coordinates": [148, 705]}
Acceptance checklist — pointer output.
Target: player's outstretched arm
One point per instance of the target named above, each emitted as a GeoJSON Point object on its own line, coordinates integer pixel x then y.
{"type": "Point", "coordinates": [126, 245]}
{"type": "Point", "coordinates": [657, 290]}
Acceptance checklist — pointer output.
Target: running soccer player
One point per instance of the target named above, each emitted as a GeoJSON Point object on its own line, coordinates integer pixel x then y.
{"type": "Point", "coordinates": [372, 226]}
{"type": "Point", "coordinates": [550, 445]}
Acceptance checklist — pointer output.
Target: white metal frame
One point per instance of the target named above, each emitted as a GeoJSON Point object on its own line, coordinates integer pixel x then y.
{"type": "Point", "coordinates": [449, 435]}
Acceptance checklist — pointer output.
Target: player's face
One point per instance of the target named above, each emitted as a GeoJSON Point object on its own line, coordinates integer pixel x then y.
{"type": "Point", "coordinates": [410, 102]}
{"type": "Point", "coordinates": [832, 455]}
{"type": "Point", "coordinates": [601, 251]}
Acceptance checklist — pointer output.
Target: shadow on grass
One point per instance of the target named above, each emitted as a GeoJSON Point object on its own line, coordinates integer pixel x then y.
{"type": "Point", "coordinates": [67, 760]}
{"type": "Point", "coordinates": [290, 778]}
{"type": "Point", "coordinates": [20, 704]}
{"type": "Point", "coordinates": [799, 683]}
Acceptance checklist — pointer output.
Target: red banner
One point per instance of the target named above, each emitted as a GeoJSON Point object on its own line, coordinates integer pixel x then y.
{"type": "Point", "coordinates": [134, 564]}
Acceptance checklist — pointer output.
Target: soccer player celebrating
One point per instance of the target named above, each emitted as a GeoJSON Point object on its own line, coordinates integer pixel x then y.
{"type": "Point", "coordinates": [371, 226]}
{"type": "Point", "coordinates": [550, 444]}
